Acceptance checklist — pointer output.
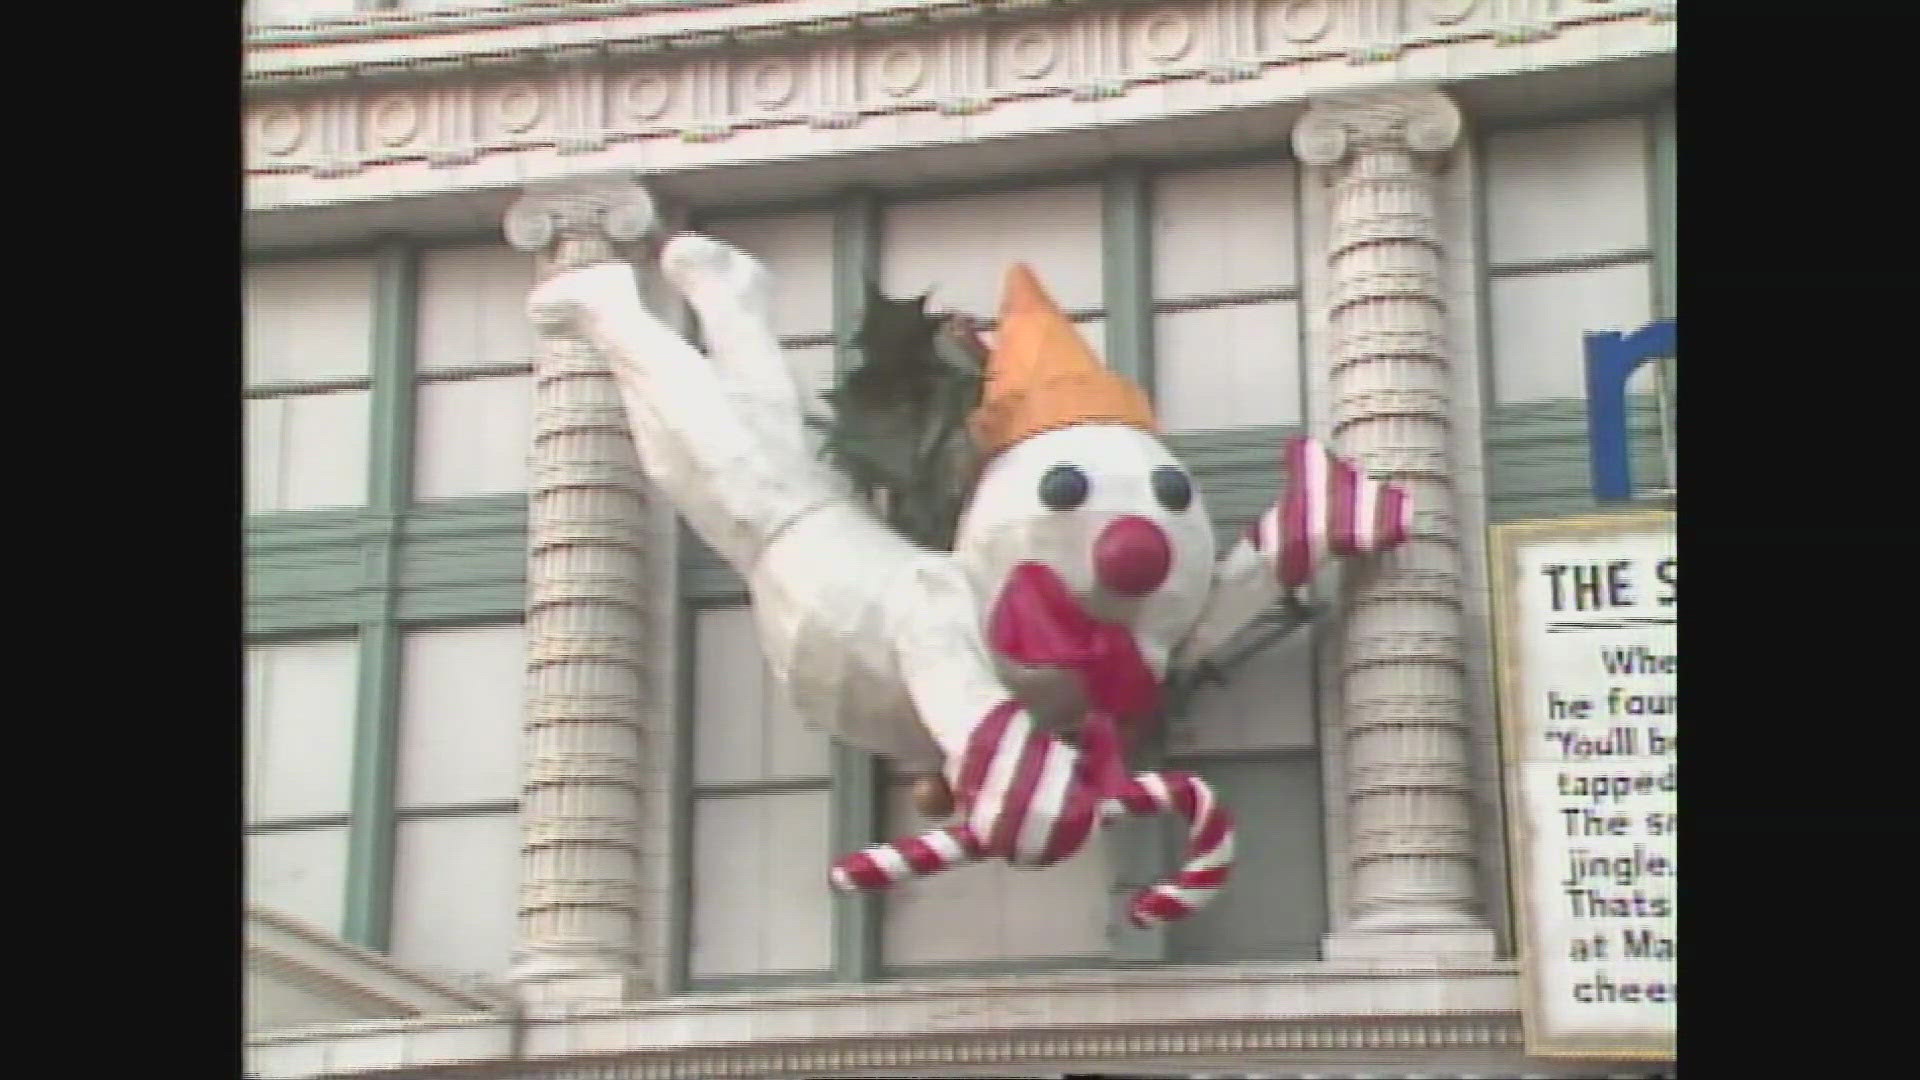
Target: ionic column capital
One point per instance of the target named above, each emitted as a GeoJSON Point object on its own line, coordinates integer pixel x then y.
{"type": "Point", "coordinates": [576, 221]}
{"type": "Point", "coordinates": [1423, 120]}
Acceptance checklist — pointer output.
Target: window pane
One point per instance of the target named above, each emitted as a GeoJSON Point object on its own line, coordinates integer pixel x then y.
{"type": "Point", "coordinates": [1223, 230]}
{"type": "Point", "coordinates": [744, 727]}
{"type": "Point", "coordinates": [760, 896]}
{"type": "Point", "coordinates": [456, 892]}
{"type": "Point", "coordinates": [1538, 320]}
{"type": "Point", "coordinates": [1266, 704]}
{"type": "Point", "coordinates": [294, 12]}
{"type": "Point", "coordinates": [462, 693]}
{"type": "Point", "coordinates": [816, 362]}
{"type": "Point", "coordinates": [961, 248]}
{"type": "Point", "coordinates": [302, 873]}
{"type": "Point", "coordinates": [300, 719]}
{"type": "Point", "coordinates": [449, 5]}
{"type": "Point", "coordinates": [1092, 330]}
{"type": "Point", "coordinates": [797, 249]}
{"type": "Point", "coordinates": [307, 452]}
{"type": "Point", "coordinates": [989, 911]}
{"type": "Point", "coordinates": [1228, 366]}
{"type": "Point", "coordinates": [308, 321]}
{"type": "Point", "coordinates": [473, 308]}
{"type": "Point", "coordinates": [1275, 906]}
{"type": "Point", "coordinates": [475, 437]}
{"type": "Point", "coordinates": [1577, 189]}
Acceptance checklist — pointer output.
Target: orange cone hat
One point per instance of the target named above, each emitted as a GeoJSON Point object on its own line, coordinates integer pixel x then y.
{"type": "Point", "coordinates": [1042, 376]}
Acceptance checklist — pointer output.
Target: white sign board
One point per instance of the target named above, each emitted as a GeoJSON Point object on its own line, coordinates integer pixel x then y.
{"type": "Point", "coordinates": [1585, 619]}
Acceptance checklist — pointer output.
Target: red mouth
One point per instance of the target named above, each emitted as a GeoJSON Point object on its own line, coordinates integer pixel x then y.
{"type": "Point", "coordinates": [1037, 622]}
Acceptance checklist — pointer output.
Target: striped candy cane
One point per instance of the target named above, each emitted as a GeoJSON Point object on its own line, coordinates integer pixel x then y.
{"type": "Point", "coordinates": [1209, 858]}
{"type": "Point", "coordinates": [1089, 787]}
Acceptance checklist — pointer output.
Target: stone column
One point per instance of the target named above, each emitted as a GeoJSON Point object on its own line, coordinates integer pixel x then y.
{"type": "Point", "coordinates": [1409, 793]}
{"type": "Point", "coordinates": [580, 918]}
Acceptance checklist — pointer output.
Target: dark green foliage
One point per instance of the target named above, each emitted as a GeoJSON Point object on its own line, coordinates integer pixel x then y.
{"type": "Point", "coordinates": [899, 427]}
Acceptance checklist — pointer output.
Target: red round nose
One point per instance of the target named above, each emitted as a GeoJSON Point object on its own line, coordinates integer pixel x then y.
{"type": "Point", "coordinates": [1132, 556]}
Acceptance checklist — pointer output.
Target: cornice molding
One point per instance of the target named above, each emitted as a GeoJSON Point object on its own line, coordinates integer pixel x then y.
{"type": "Point", "coordinates": [1068, 65]}
{"type": "Point", "coordinates": [382, 46]}
{"type": "Point", "coordinates": [387, 23]}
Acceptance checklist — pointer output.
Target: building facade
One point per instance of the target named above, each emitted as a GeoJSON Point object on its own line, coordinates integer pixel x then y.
{"type": "Point", "coordinates": [520, 798]}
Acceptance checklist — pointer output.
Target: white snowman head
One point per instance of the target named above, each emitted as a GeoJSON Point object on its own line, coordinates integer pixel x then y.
{"type": "Point", "coordinates": [1077, 488]}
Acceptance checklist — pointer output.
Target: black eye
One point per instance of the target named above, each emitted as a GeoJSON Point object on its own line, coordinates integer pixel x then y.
{"type": "Point", "coordinates": [1172, 488]}
{"type": "Point", "coordinates": [1063, 488]}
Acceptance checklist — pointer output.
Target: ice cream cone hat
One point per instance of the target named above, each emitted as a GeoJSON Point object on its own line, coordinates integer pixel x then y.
{"type": "Point", "coordinates": [1041, 376]}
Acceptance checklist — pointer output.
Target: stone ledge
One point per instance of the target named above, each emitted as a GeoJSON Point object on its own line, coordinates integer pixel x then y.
{"type": "Point", "coordinates": [1405, 1005]}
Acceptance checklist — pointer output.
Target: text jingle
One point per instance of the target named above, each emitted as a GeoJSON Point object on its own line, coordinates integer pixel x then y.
{"type": "Point", "coordinates": [1584, 865]}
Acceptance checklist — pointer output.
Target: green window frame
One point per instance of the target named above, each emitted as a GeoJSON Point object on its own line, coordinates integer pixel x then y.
{"type": "Point", "coordinates": [375, 572]}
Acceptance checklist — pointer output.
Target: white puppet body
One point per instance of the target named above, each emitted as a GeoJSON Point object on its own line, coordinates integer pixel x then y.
{"type": "Point", "coordinates": [884, 644]}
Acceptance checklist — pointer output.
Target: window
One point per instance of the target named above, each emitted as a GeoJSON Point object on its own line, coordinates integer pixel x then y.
{"type": "Point", "coordinates": [1226, 298]}
{"type": "Point", "coordinates": [959, 249]}
{"type": "Point", "coordinates": [280, 13]}
{"type": "Point", "coordinates": [797, 250]}
{"type": "Point", "coordinates": [299, 710]}
{"type": "Point", "coordinates": [385, 658]}
{"type": "Point", "coordinates": [991, 912]}
{"type": "Point", "coordinates": [474, 353]}
{"type": "Point", "coordinates": [761, 805]}
{"type": "Point", "coordinates": [457, 854]}
{"type": "Point", "coordinates": [308, 342]}
{"type": "Point", "coordinates": [1255, 741]}
{"type": "Point", "coordinates": [1571, 249]}
{"type": "Point", "coordinates": [1226, 325]}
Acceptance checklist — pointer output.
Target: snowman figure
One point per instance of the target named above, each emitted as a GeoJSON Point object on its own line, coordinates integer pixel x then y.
{"type": "Point", "coordinates": [1001, 675]}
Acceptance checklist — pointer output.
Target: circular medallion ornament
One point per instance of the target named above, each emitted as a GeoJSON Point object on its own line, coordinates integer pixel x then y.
{"type": "Point", "coordinates": [771, 84]}
{"type": "Point", "coordinates": [395, 120]}
{"type": "Point", "coordinates": [1302, 21]}
{"type": "Point", "coordinates": [1031, 54]}
{"type": "Point", "coordinates": [643, 97]}
{"type": "Point", "coordinates": [1166, 37]}
{"type": "Point", "coordinates": [279, 130]}
{"type": "Point", "coordinates": [518, 107]}
{"type": "Point", "coordinates": [900, 71]}
{"type": "Point", "coordinates": [1446, 12]}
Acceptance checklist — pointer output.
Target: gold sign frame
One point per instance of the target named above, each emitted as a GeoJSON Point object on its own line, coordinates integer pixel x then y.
{"type": "Point", "coordinates": [1504, 543]}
